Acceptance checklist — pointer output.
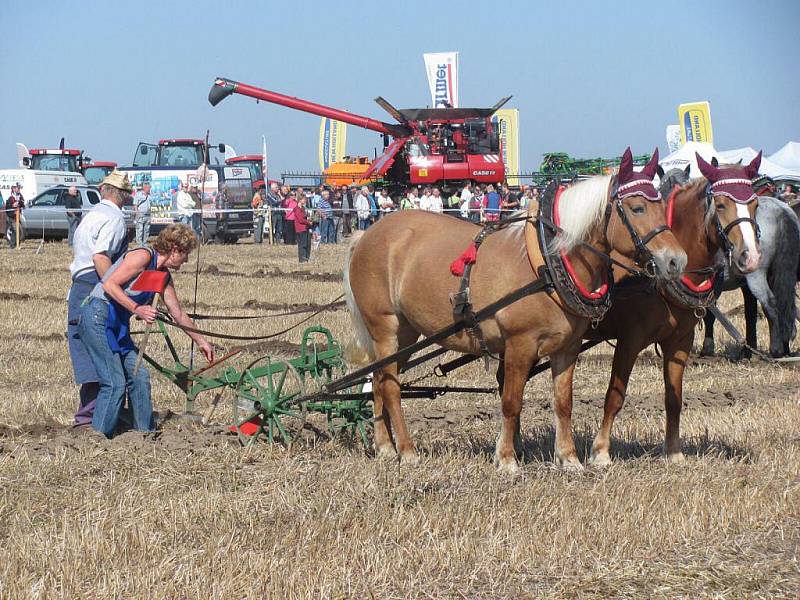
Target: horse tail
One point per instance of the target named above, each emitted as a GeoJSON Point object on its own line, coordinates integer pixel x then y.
{"type": "Point", "coordinates": [359, 350]}
{"type": "Point", "coordinates": [782, 276]}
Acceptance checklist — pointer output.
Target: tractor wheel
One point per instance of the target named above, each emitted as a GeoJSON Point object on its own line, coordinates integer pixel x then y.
{"type": "Point", "coordinates": [264, 402]}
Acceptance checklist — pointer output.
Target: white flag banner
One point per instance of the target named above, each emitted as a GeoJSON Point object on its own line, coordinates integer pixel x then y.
{"type": "Point", "coordinates": [673, 138]}
{"type": "Point", "coordinates": [442, 69]}
{"type": "Point", "coordinates": [264, 160]}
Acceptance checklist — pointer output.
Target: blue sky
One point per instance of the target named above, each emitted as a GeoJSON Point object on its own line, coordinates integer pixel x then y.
{"type": "Point", "coordinates": [589, 78]}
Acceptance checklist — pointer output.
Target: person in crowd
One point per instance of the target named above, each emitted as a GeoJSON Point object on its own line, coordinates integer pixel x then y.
{"type": "Point", "coordinates": [466, 198]}
{"type": "Point", "coordinates": [100, 239]}
{"type": "Point", "coordinates": [363, 209]}
{"type": "Point", "coordinates": [454, 203]}
{"type": "Point", "coordinates": [141, 213]}
{"type": "Point", "coordinates": [105, 326]}
{"type": "Point", "coordinates": [435, 201]}
{"type": "Point", "coordinates": [289, 202]}
{"type": "Point", "coordinates": [764, 186]}
{"type": "Point", "coordinates": [411, 200]}
{"type": "Point", "coordinates": [316, 196]}
{"type": "Point", "coordinates": [273, 200]}
{"type": "Point", "coordinates": [326, 225]}
{"type": "Point", "coordinates": [348, 205]}
{"type": "Point", "coordinates": [490, 207]}
{"type": "Point", "coordinates": [257, 204]}
{"type": "Point", "coordinates": [527, 198]}
{"type": "Point", "coordinates": [197, 215]}
{"type": "Point", "coordinates": [302, 225]}
{"type": "Point", "coordinates": [373, 203]}
{"type": "Point", "coordinates": [385, 203]}
{"type": "Point", "coordinates": [14, 204]}
{"type": "Point", "coordinates": [425, 198]}
{"type": "Point", "coordinates": [185, 205]}
{"type": "Point", "coordinates": [476, 204]}
{"type": "Point", "coordinates": [789, 195]}
{"type": "Point", "coordinates": [73, 203]}
{"type": "Point", "coordinates": [509, 201]}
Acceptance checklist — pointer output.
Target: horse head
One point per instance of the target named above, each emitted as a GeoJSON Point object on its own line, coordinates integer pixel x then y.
{"type": "Point", "coordinates": [732, 205]}
{"type": "Point", "coordinates": [644, 235]}
{"type": "Point", "coordinates": [672, 178]}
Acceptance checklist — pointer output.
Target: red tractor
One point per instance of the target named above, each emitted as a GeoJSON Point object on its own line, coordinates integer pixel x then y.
{"type": "Point", "coordinates": [436, 146]}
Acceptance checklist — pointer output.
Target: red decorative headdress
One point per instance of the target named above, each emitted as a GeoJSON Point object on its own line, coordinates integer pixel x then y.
{"type": "Point", "coordinates": [734, 182]}
{"type": "Point", "coordinates": [631, 183]}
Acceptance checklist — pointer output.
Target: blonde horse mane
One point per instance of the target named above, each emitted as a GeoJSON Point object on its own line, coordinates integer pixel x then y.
{"type": "Point", "coordinates": [580, 207]}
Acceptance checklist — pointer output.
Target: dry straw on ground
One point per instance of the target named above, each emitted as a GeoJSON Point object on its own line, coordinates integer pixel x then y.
{"type": "Point", "coordinates": [189, 514]}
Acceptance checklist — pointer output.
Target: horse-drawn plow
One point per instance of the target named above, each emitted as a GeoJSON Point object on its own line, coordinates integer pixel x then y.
{"type": "Point", "coordinates": [271, 397]}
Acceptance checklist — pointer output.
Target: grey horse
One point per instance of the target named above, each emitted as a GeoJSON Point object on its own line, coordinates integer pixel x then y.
{"type": "Point", "coordinates": [772, 284]}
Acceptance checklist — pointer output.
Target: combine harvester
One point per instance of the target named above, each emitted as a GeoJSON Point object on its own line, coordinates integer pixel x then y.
{"type": "Point", "coordinates": [447, 147]}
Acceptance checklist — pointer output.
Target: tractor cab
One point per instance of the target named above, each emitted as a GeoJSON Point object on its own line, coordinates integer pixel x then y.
{"type": "Point", "coordinates": [95, 171]}
{"type": "Point", "coordinates": [42, 159]}
{"type": "Point", "coordinates": [173, 153]}
{"type": "Point", "coordinates": [253, 163]}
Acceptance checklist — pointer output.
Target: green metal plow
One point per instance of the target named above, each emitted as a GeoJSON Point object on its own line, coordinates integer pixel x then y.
{"type": "Point", "coordinates": [266, 393]}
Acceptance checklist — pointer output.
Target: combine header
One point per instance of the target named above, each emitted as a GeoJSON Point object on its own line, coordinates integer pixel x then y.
{"type": "Point", "coordinates": [433, 146]}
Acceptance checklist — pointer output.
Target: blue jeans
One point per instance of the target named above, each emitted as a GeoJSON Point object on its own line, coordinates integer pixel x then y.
{"type": "Point", "coordinates": [115, 374]}
{"type": "Point", "coordinates": [364, 223]}
{"type": "Point", "coordinates": [328, 231]}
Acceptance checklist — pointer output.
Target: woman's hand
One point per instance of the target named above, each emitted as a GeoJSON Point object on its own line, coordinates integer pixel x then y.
{"type": "Point", "coordinates": [146, 312]}
{"type": "Point", "coordinates": [207, 350]}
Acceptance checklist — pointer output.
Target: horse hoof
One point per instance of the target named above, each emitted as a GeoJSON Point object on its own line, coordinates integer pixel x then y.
{"type": "Point", "coordinates": [509, 467]}
{"type": "Point", "coordinates": [708, 348]}
{"type": "Point", "coordinates": [386, 452]}
{"type": "Point", "coordinates": [569, 464]}
{"type": "Point", "coordinates": [409, 458]}
{"type": "Point", "coordinates": [601, 460]}
{"type": "Point", "coordinates": [676, 458]}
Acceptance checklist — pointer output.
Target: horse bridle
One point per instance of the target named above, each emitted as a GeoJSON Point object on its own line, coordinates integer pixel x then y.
{"type": "Point", "coordinates": [643, 256]}
{"type": "Point", "coordinates": [722, 232]}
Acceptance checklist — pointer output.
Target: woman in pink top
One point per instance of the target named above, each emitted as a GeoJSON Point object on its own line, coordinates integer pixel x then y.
{"type": "Point", "coordinates": [288, 231]}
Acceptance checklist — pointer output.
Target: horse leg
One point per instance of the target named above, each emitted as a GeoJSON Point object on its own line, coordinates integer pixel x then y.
{"type": "Point", "coordinates": [389, 384]}
{"type": "Point", "coordinates": [624, 358]}
{"type": "Point", "coordinates": [562, 366]}
{"type": "Point", "coordinates": [384, 448]}
{"type": "Point", "coordinates": [750, 321]}
{"type": "Point", "coordinates": [676, 353]}
{"type": "Point", "coordinates": [708, 338]}
{"type": "Point", "coordinates": [516, 365]}
{"type": "Point", "coordinates": [757, 283]}
{"type": "Point", "coordinates": [500, 376]}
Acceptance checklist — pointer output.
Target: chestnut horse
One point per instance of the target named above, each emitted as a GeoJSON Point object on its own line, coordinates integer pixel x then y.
{"type": "Point", "coordinates": [398, 285]}
{"type": "Point", "coordinates": [710, 217]}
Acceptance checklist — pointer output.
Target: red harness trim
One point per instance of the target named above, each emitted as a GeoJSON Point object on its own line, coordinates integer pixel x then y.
{"type": "Point", "coordinates": [696, 288]}
{"type": "Point", "coordinates": [582, 289]}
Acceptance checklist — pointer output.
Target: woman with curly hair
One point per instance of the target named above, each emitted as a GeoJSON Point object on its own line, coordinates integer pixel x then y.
{"type": "Point", "coordinates": [105, 326]}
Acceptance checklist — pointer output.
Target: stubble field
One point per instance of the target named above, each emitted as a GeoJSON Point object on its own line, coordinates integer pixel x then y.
{"type": "Point", "coordinates": [188, 513]}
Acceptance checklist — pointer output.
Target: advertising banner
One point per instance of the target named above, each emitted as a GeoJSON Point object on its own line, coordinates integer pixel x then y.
{"type": "Point", "coordinates": [332, 142]}
{"type": "Point", "coordinates": [507, 122]}
{"type": "Point", "coordinates": [442, 70]}
{"type": "Point", "coordinates": [695, 122]}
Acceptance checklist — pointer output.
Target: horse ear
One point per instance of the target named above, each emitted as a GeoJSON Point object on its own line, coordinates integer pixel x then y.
{"type": "Point", "coordinates": [651, 167]}
{"type": "Point", "coordinates": [709, 171]}
{"type": "Point", "coordinates": [752, 168]}
{"type": "Point", "coordinates": [626, 166]}
{"type": "Point", "coordinates": [714, 161]}
{"type": "Point", "coordinates": [660, 172]}
{"type": "Point", "coordinates": [687, 170]}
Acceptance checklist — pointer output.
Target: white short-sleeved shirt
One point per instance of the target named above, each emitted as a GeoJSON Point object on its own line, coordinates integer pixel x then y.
{"type": "Point", "coordinates": [101, 231]}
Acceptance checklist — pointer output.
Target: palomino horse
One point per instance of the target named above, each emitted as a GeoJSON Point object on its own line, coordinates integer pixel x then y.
{"type": "Point", "coordinates": [398, 285]}
{"type": "Point", "coordinates": [707, 216]}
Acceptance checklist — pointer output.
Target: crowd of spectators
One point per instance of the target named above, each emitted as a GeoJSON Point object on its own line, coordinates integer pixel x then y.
{"type": "Point", "coordinates": [334, 213]}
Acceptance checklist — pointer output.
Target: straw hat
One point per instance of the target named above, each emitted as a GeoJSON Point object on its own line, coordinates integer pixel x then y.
{"type": "Point", "coordinates": [119, 180]}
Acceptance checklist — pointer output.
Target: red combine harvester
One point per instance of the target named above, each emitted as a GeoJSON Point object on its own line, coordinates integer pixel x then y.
{"type": "Point", "coordinates": [435, 146]}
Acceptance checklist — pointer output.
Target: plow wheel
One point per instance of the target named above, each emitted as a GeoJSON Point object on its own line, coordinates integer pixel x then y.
{"type": "Point", "coordinates": [263, 402]}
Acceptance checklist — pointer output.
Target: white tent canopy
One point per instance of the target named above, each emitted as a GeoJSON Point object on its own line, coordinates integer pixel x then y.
{"type": "Point", "coordinates": [685, 155]}
{"type": "Point", "coordinates": [747, 154]}
{"type": "Point", "coordinates": [788, 157]}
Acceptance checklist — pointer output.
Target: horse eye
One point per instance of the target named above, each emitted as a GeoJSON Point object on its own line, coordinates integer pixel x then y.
{"type": "Point", "coordinates": [721, 206]}
{"type": "Point", "coordinates": [637, 210]}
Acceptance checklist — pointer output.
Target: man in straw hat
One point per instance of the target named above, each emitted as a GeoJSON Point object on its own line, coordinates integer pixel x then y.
{"type": "Point", "coordinates": [100, 239]}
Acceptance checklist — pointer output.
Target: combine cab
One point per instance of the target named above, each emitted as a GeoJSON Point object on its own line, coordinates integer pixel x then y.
{"type": "Point", "coordinates": [441, 146]}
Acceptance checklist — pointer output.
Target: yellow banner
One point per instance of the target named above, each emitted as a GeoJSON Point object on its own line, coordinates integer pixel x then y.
{"type": "Point", "coordinates": [695, 122]}
{"type": "Point", "coordinates": [507, 122]}
{"type": "Point", "coordinates": [332, 142]}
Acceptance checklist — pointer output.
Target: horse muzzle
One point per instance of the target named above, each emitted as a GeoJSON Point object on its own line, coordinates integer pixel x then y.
{"type": "Point", "coordinates": [669, 263]}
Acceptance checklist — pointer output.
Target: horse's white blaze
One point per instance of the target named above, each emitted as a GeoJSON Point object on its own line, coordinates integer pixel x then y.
{"type": "Point", "coordinates": [748, 233]}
